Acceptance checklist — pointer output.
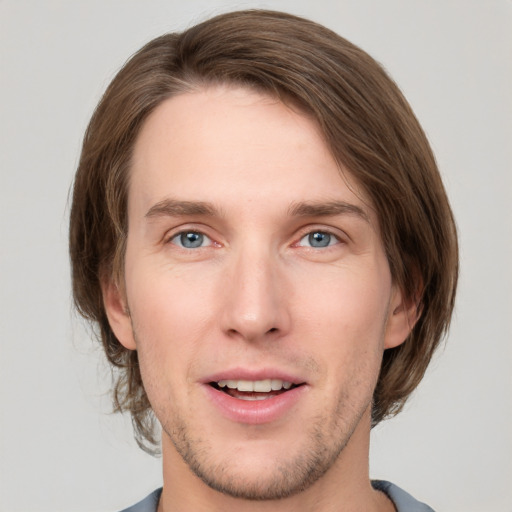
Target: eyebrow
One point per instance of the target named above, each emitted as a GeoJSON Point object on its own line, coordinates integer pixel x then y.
{"type": "Point", "coordinates": [175, 208]}
{"type": "Point", "coordinates": [327, 209]}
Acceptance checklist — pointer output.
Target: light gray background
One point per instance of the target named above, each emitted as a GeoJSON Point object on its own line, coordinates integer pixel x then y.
{"type": "Point", "coordinates": [60, 450]}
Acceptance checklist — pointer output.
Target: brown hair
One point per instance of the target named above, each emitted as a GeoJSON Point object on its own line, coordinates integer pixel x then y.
{"type": "Point", "coordinates": [365, 120]}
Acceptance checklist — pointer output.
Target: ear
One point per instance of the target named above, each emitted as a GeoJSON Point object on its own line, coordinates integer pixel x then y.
{"type": "Point", "coordinates": [402, 317]}
{"type": "Point", "coordinates": [118, 314]}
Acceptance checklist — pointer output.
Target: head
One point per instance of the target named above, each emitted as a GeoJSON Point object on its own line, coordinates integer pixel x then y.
{"type": "Point", "coordinates": [365, 123]}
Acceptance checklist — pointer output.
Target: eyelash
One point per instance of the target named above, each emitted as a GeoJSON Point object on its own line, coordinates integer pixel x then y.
{"type": "Point", "coordinates": [178, 239]}
{"type": "Point", "coordinates": [181, 234]}
{"type": "Point", "coordinates": [324, 233]}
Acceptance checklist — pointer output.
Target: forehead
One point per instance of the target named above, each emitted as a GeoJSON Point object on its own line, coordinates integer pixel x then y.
{"type": "Point", "coordinates": [229, 145]}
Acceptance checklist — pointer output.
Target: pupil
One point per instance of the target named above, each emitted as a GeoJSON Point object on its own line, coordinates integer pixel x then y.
{"type": "Point", "coordinates": [191, 240]}
{"type": "Point", "coordinates": [319, 239]}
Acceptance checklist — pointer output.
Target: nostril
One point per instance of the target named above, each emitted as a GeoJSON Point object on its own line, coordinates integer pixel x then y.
{"type": "Point", "coordinates": [274, 329]}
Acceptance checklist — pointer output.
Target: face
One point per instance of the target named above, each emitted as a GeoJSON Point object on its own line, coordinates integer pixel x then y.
{"type": "Point", "coordinates": [257, 293]}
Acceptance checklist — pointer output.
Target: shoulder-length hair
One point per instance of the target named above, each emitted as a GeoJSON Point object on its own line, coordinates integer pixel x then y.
{"type": "Point", "coordinates": [368, 126]}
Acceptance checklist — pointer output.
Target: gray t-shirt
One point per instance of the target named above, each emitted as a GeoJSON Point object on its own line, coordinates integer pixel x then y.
{"type": "Point", "coordinates": [403, 501]}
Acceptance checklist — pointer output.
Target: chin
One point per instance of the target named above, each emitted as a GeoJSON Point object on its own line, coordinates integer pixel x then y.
{"type": "Point", "coordinates": [277, 479]}
{"type": "Point", "coordinates": [257, 470]}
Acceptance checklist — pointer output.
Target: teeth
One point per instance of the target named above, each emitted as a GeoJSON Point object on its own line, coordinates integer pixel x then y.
{"type": "Point", "coordinates": [245, 385]}
{"type": "Point", "coordinates": [276, 384]}
{"type": "Point", "coordinates": [263, 386]}
{"type": "Point", "coordinates": [259, 386]}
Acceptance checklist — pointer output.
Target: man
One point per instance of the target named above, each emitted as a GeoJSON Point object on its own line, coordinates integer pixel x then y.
{"type": "Point", "coordinates": [261, 234]}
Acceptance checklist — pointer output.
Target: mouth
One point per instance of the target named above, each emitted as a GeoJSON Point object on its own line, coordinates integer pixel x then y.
{"type": "Point", "coordinates": [255, 397]}
{"type": "Point", "coordinates": [253, 390]}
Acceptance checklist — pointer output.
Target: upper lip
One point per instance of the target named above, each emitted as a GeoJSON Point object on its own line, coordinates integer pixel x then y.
{"type": "Point", "coordinates": [253, 375]}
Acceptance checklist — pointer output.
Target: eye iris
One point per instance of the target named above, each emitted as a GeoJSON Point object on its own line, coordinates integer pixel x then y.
{"type": "Point", "coordinates": [191, 239]}
{"type": "Point", "coordinates": [319, 239]}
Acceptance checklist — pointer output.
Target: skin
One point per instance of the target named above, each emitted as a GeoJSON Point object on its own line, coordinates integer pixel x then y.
{"type": "Point", "coordinates": [254, 295]}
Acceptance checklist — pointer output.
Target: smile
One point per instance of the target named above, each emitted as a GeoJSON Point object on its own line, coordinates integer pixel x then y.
{"type": "Point", "coordinates": [258, 401]}
{"type": "Point", "coordinates": [253, 390]}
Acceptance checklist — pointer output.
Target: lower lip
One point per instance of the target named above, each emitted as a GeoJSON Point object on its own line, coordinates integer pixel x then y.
{"type": "Point", "coordinates": [254, 412]}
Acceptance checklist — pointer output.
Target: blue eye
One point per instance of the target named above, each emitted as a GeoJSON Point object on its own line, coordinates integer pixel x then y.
{"type": "Point", "coordinates": [190, 240]}
{"type": "Point", "coordinates": [318, 239]}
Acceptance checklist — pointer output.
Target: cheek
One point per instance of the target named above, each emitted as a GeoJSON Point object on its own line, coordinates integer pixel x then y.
{"type": "Point", "coordinates": [345, 318]}
{"type": "Point", "coordinates": [169, 299]}
{"type": "Point", "coordinates": [170, 318]}
{"type": "Point", "coordinates": [349, 302]}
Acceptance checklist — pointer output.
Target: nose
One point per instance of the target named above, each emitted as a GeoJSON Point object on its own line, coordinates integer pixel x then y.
{"type": "Point", "coordinates": [255, 305]}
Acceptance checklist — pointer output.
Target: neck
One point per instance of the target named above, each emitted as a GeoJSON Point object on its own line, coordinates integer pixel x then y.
{"type": "Point", "coordinates": [344, 487]}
